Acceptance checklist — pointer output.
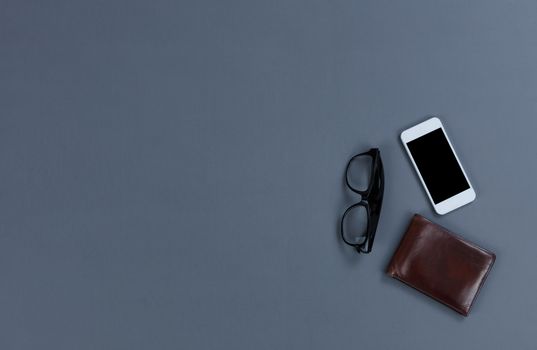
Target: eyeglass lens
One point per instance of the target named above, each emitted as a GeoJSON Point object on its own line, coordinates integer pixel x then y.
{"type": "Point", "coordinates": [355, 225]}
{"type": "Point", "coordinates": [359, 172]}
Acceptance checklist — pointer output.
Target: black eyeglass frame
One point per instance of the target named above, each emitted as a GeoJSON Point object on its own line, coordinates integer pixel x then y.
{"type": "Point", "coordinates": [371, 200]}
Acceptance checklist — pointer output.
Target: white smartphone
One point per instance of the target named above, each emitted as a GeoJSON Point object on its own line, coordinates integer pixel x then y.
{"type": "Point", "coordinates": [438, 166]}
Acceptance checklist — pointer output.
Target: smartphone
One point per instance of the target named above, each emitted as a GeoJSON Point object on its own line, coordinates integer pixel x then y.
{"type": "Point", "coordinates": [438, 166]}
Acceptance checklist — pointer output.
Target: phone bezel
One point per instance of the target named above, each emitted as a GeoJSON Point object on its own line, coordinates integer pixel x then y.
{"type": "Point", "coordinates": [455, 201]}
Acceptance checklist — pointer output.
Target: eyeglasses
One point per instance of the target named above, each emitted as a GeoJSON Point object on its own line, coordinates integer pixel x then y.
{"type": "Point", "coordinates": [365, 176]}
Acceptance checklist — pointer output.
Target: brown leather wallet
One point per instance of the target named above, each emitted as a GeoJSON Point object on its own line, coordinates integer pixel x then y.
{"type": "Point", "coordinates": [440, 264]}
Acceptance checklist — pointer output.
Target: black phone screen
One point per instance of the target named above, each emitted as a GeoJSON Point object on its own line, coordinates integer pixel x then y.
{"type": "Point", "coordinates": [438, 166]}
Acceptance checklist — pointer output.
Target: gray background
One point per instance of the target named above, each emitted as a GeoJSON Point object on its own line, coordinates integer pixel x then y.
{"type": "Point", "coordinates": [172, 171]}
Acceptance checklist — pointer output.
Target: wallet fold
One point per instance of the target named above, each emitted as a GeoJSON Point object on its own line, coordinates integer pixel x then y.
{"type": "Point", "coordinates": [440, 264]}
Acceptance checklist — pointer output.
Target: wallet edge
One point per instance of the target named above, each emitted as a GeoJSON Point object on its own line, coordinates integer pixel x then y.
{"type": "Point", "coordinates": [392, 271]}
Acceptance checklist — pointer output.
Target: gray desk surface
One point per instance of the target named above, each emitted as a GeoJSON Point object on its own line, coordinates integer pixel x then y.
{"type": "Point", "coordinates": [172, 172]}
